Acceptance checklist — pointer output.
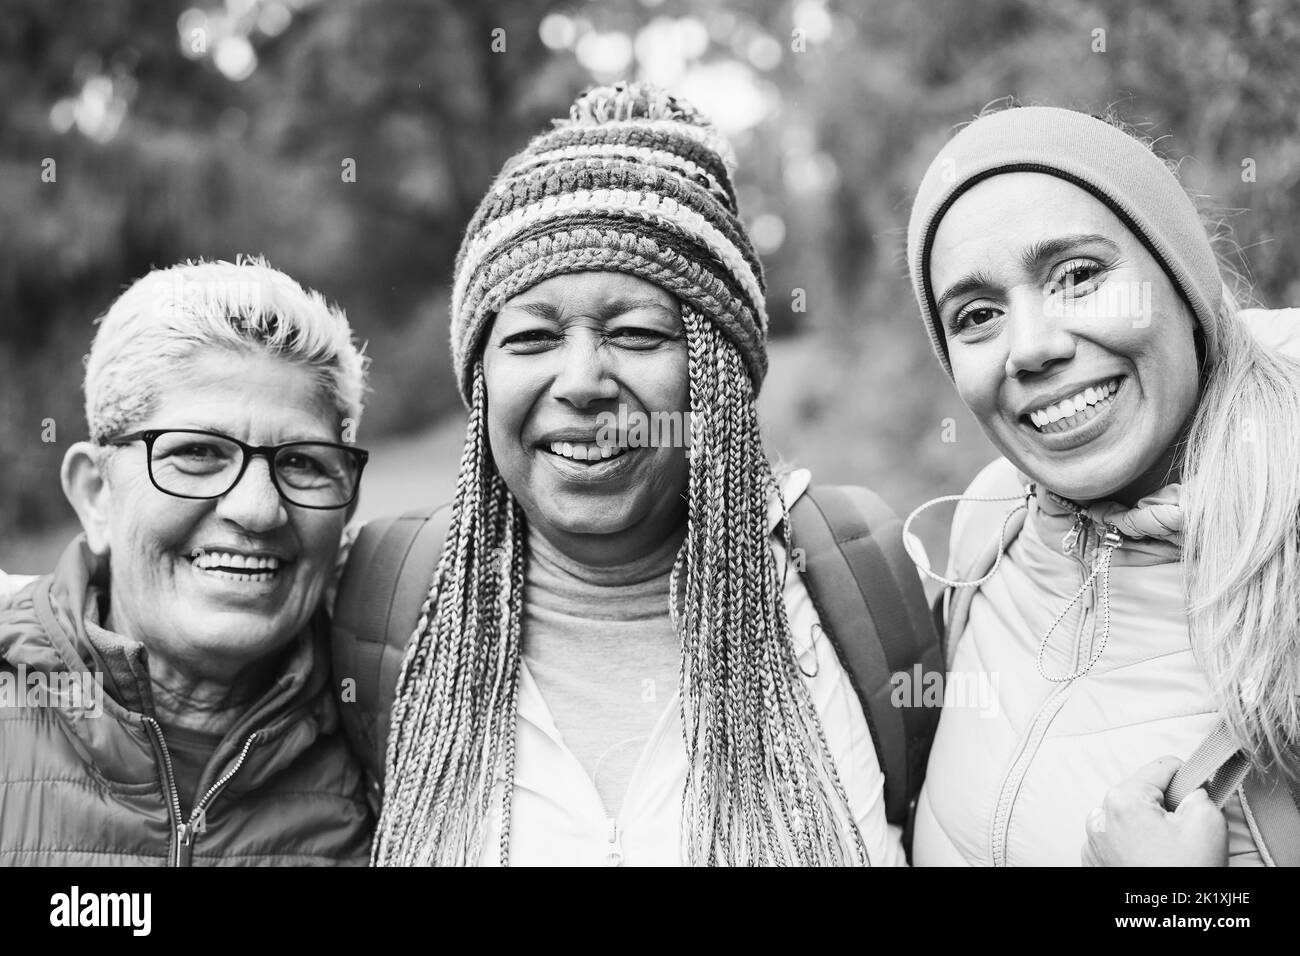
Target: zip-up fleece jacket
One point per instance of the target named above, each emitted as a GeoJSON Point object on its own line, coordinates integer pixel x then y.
{"type": "Point", "coordinates": [86, 779]}
{"type": "Point", "coordinates": [1019, 760]}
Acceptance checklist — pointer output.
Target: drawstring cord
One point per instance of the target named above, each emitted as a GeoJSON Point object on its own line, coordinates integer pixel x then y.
{"type": "Point", "coordinates": [1100, 565]}
{"type": "Point", "coordinates": [1111, 540]}
{"type": "Point", "coordinates": [1024, 498]}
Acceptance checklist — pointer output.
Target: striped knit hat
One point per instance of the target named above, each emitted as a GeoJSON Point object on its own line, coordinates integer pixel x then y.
{"type": "Point", "coordinates": [635, 181]}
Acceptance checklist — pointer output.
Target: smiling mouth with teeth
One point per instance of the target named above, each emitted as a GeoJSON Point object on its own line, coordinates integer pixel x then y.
{"type": "Point", "coordinates": [238, 567]}
{"type": "Point", "coordinates": [585, 451]}
{"type": "Point", "coordinates": [1074, 411]}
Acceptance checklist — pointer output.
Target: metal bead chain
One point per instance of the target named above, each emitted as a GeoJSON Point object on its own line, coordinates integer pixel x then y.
{"type": "Point", "coordinates": [1024, 498]}
{"type": "Point", "coordinates": [1113, 540]}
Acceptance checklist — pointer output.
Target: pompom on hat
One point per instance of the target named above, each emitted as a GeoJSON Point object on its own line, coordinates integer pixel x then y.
{"type": "Point", "coordinates": [1118, 170]}
{"type": "Point", "coordinates": [635, 181]}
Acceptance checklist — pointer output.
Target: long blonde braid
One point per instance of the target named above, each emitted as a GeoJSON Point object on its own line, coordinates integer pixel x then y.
{"type": "Point", "coordinates": [762, 786]}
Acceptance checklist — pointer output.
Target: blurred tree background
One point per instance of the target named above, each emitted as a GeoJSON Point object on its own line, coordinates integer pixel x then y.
{"type": "Point", "coordinates": [138, 134]}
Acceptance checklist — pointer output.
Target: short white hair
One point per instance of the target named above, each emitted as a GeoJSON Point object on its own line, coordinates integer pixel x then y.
{"type": "Point", "coordinates": [169, 315]}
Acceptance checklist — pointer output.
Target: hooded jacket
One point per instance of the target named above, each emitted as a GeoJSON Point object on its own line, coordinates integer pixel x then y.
{"type": "Point", "coordinates": [86, 778]}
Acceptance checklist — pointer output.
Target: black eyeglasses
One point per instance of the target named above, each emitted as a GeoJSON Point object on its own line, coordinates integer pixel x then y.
{"type": "Point", "coordinates": [188, 463]}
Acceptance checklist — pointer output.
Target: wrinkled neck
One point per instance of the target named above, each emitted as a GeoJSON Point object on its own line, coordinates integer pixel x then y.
{"type": "Point", "coordinates": [182, 699]}
{"type": "Point", "coordinates": [586, 570]}
{"type": "Point", "coordinates": [177, 694]}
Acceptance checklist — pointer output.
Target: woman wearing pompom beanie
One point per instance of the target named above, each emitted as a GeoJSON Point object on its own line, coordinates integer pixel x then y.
{"type": "Point", "coordinates": [1127, 576]}
{"type": "Point", "coordinates": [614, 662]}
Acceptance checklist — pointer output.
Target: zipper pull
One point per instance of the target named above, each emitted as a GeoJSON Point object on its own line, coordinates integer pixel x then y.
{"type": "Point", "coordinates": [1072, 536]}
{"type": "Point", "coordinates": [184, 844]}
{"type": "Point", "coordinates": [1111, 540]}
{"type": "Point", "coordinates": [614, 854]}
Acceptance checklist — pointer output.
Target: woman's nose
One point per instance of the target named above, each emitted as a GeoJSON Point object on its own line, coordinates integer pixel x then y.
{"type": "Point", "coordinates": [254, 503]}
{"type": "Point", "coordinates": [1038, 338]}
{"type": "Point", "coordinates": [583, 377]}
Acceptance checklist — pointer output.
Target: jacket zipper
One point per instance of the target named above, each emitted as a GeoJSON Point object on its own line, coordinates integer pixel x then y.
{"type": "Point", "coordinates": [183, 848]}
{"type": "Point", "coordinates": [1011, 782]}
{"type": "Point", "coordinates": [169, 784]}
{"type": "Point", "coordinates": [1087, 622]}
{"type": "Point", "coordinates": [614, 852]}
{"type": "Point", "coordinates": [1075, 543]}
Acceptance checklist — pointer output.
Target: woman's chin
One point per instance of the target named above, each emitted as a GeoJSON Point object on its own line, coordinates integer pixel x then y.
{"type": "Point", "coordinates": [1088, 479]}
{"type": "Point", "coordinates": [1102, 459]}
{"type": "Point", "coordinates": [583, 522]}
{"type": "Point", "coordinates": [242, 624]}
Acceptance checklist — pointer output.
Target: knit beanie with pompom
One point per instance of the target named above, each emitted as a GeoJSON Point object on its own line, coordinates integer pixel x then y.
{"type": "Point", "coordinates": [635, 181]}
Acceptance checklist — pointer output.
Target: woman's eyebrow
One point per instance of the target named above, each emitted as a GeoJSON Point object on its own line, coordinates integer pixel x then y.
{"type": "Point", "coordinates": [1040, 252]}
{"type": "Point", "coordinates": [1032, 257]}
{"type": "Point", "coordinates": [310, 433]}
{"type": "Point", "coordinates": [606, 310]}
{"type": "Point", "coordinates": [972, 282]}
{"type": "Point", "coordinates": [541, 310]}
{"type": "Point", "coordinates": [616, 307]}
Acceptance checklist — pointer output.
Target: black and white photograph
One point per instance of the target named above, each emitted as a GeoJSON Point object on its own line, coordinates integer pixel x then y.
{"type": "Point", "coordinates": [651, 433]}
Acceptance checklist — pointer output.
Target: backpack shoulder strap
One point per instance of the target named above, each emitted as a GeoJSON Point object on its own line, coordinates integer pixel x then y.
{"type": "Point", "coordinates": [1217, 764]}
{"type": "Point", "coordinates": [871, 605]}
{"type": "Point", "coordinates": [387, 578]}
{"type": "Point", "coordinates": [1270, 799]}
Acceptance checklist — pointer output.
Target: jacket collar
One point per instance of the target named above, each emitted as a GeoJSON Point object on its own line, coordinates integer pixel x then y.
{"type": "Point", "coordinates": [1152, 528]}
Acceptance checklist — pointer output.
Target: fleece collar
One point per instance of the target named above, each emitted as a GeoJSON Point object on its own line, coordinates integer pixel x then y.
{"type": "Point", "coordinates": [1153, 527]}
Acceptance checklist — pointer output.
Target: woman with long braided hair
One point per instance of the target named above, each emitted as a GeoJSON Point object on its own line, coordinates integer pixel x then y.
{"type": "Point", "coordinates": [604, 284]}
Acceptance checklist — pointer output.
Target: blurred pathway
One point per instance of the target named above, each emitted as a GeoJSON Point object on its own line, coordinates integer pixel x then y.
{"type": "Point", "coordinates": [412, 471]}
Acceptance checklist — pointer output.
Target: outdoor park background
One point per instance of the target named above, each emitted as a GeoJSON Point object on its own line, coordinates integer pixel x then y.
{"type": "Point", "coordinates": [224, 128]}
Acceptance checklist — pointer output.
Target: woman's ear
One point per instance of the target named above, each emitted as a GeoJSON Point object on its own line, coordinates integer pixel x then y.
{"type": "Point", "coordinates": [86, 488]}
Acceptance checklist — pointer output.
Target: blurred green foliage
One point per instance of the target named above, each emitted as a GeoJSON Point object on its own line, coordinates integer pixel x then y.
{"type": "Point", "coordinates": [162, 156]}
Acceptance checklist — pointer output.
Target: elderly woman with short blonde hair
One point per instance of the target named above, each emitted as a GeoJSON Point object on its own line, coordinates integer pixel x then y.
{"type": "Point", "coordinates": [221, 399]}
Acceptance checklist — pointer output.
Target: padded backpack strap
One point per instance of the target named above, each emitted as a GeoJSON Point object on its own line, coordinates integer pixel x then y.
{"type": "Point", "coordinates": [1272, 803]}
{"type": "Point", "coordinates": [873, 608]}
{"type": "Point", "coordinates": [1217, 764]}
{"type": "Point", "coordinates": [1271, 800]}
{"type": "Point", "coordinates": [388, 576]}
